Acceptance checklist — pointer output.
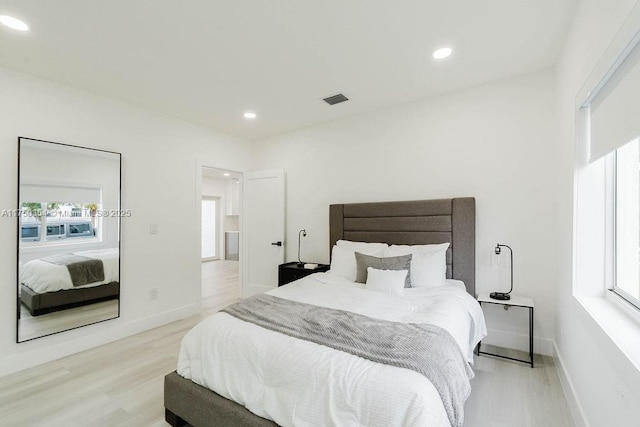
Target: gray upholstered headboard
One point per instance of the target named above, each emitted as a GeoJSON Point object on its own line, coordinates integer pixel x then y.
{"type": "Point", "coordinates": [418, 222]}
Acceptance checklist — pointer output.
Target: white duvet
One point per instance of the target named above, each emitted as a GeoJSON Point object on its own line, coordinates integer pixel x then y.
{"type": "Point", "coordinates": [43, 276]}
{"type": "Point", "coordinates": [299, 383]}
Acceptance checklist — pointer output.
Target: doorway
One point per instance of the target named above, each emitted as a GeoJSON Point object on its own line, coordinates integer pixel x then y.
{"type": "Point", "coordinates": [220, 248]}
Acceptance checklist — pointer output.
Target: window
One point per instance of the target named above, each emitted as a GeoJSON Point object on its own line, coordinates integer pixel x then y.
{"type": "Point", "coordinates": [608, 166]}
{"type": "Point", "coordinates": [55, 232]}
{"type": "Point", "coordinates": [627, 222]}
{"type": "Point", "coordinates": [210, 228]}
{"type": "Point", "coordinates": [60, 221]}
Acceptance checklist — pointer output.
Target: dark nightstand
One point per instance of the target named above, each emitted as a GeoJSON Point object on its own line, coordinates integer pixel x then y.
{"type": "Point", "coordinates": [290, 271]}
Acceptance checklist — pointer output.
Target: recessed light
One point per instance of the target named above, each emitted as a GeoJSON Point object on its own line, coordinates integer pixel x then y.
{"type": "Point", "coordinates": [442, 53]}
{"type": "Point", "coordinates": [250, 115]}
{"type": "Point", "coordinates": [13, 23]}
{"type": "Point", "coordinates": [225, 174]}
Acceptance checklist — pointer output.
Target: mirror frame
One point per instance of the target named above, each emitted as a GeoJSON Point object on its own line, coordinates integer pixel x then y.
{"type": "Point", "coordinates": [18, 238]}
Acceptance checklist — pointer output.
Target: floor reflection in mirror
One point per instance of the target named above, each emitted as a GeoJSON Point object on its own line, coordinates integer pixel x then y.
{"type": "Point", "coordinates": [51, 323]}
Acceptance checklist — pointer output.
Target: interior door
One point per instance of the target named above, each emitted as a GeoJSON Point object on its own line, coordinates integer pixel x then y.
{"type": "Point", "coordinates": [263, 212]}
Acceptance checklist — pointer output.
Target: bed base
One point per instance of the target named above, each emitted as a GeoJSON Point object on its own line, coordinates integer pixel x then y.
{"type": "Point", "coordinates": [48, 302]}
{"type": "Point", "coordinates": [187, 403]}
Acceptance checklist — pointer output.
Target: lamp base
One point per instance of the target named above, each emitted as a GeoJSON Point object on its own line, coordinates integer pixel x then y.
{"type": "Point", "coordinates": [502, 296]}
{"type": "Point", "coordinates": [300, 264]}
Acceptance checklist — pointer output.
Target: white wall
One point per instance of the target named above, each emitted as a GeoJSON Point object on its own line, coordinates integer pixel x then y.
{"type": "Point", "coordinates": [160, 185]}
{"type": "Point", "coordinates": [606, 386]}
{"type": "Point", "coordinates": [493, 142]}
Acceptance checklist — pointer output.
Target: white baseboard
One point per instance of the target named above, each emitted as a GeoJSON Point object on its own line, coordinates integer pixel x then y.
{"type": "Point", "coordinates": [569, 391]}
{"type": "Point", "coordinates": [519, 342]}
{"type": "Point", "coordinates": [42, 353]}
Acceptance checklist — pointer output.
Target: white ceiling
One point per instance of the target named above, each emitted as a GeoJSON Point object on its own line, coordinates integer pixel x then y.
{"type": "Point", "coordinates": [208, 61]}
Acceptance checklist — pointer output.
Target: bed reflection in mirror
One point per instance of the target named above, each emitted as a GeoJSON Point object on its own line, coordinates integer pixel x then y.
{"type": "Point", "coordinates": [68, 237]}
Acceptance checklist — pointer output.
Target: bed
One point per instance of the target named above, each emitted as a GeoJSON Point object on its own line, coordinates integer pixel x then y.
{"type": "Point", "coordinates": [397, 223]}
{"type": "Point", "coordinates": [46, 284]}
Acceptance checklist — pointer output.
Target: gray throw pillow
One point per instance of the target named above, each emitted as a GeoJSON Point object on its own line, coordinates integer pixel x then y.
{"type": "Point", "coordinates": [391, 263]}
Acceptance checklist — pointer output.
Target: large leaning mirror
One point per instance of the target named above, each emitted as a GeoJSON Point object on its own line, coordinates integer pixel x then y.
{"type": "Point", "coordinates": [68, 237]}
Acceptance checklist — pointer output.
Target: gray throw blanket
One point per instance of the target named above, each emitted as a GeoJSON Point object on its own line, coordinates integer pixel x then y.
{"type": "Point", "coordinates": [426, 349]}
{"type": "Point", "coordinates": [82, 270]}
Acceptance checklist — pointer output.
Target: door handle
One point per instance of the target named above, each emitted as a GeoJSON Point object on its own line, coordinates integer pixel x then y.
{"type": "Point", "coordinates": [278, 243]}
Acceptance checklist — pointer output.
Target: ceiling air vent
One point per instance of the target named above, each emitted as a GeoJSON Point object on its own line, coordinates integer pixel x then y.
{"type": "Point", "coordinates": [335, 99]}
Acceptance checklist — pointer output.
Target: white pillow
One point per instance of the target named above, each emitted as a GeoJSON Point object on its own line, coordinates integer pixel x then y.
{"type": "Point", "coordinates": [428, 263]}
{"type": "Point", "coordinates": [374, 249]}
{"type": "Point", "coordinates": [343, 258]}
{"type": "Point", "coordinates": [343, 263]}
{"type": "Point", "coordinates": [390, 281]}
{"type": "Point", "coordinates": [429, 270]}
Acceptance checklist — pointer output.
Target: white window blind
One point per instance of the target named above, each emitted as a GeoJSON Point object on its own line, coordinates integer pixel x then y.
{"type": "Point", "coordinates": [615, 108]}
{"type": "Point", "coordinates": [59, 194]}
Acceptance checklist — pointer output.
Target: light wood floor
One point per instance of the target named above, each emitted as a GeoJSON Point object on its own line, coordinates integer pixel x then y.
{"type": "Point", "coordinates": [220, 283]}
{"type": "Point", "coordinates": [121, 384]}
{"type": "Point", "coordinates": [506, 394]}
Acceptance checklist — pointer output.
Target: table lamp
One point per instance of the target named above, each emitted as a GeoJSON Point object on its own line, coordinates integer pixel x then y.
{"type": "Point", "coordinates": [302, 233]}
{"type": "Point", "coordinates": [503, 296]}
